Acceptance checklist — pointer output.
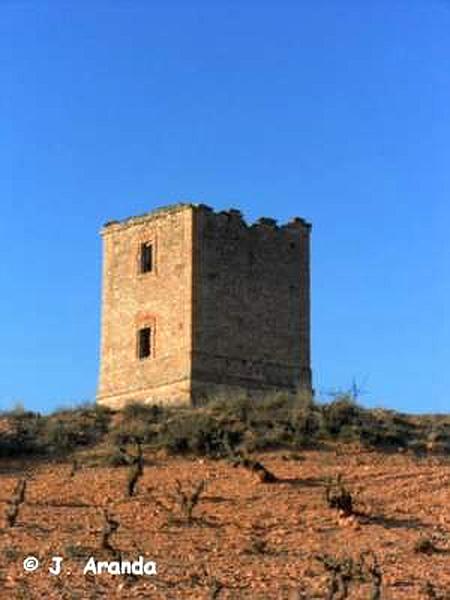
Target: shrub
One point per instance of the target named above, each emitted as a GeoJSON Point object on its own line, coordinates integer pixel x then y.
{"type": "Point", "coordinates": [200, 434]}
{"type": "Point", "coordinates": [148, 413]}
{"type": "Point", "coordinates": [11, 554]}
{"type": "Point", "coordinates": [346, 571]}
{"type": "Point", "coordinates": [60, 436]}
{"type": "Point", "coordinates": [66, 430]}
{"type": "Point", "coordinates": [134, 430]}
{"type": "Point", "coordinates": [258, 545]}
{"type": "Point", "coordinates": [305, 425]}
{"type": "Point", "coordinates": [17, 498]}
{"type": "Point", "coordinates": [57, 434]}
{"type": "Point", "coordinates": [342, 412]}
{"type": "Point", "coordinates": [424, 545]}
{"type": "Point", "coordinates": [139, 423]}
{"type": "Point", "coordinates": [338, 496]}
{"type": "Point", "coordinates": [187, 499]}
{"type": "Point", "coordinates": [22, 437]}
{"type": "Point", "coordinates": [115, 457]}
{"type": "Point", "coordinates": [183, 500]}
{"type": "Point", "coordinates": [224, 424]}
{"type": "Point", "coordinates": [343, 572]}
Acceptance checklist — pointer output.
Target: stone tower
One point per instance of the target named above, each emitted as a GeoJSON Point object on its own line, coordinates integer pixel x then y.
{"type": "Point", "coordinates": [197, 303]}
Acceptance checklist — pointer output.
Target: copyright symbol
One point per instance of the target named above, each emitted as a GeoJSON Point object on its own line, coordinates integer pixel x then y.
{"type": "Point", "coordinates": [30, 564]}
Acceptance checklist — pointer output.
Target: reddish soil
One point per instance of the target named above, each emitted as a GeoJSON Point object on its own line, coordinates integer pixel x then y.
{"type": "Point", "coordinates": [247, 539]}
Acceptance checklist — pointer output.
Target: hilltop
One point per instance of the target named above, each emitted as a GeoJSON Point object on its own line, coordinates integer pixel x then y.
{"type": "Point", "coordinates": [289, 499]}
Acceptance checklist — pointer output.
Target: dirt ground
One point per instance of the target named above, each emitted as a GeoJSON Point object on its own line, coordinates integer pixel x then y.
{"type": "Point", "coordinates": [246, 539]}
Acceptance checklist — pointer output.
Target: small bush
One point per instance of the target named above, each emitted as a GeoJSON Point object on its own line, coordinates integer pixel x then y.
{"type": "Point", "coordinates": [305, 425]}
{"type": "Point", "coordinates": [200, 434]}
{"type": "Point", "coordinates": [236, 407]}
{"type": "Point", "coordinates": [424, 545]}
{"type": "Point", "coordinates": [23, 436]}
{"type": "Point", "coordinates": [182, 501]}
{"type": "Point", "coordinates": [187, 499]}
{"type": "Point", "coordinates": [338, 496]}
{"type": "Point", "coordinates": [342, 412]}
{"type": "Point", "coordinates": [11, 554]}
{"type": "Point", "coordinates": [345, 572]}
{"type": "Point", "coordinates": [134, 430]}
{"type": "Point", "coordinates": [67, 430]}
{"type": "Point", "coordinates": [342, 572]}
{"type": "Point", "coordinates": [148, 413]}
{"type": "Point", "coordinates": [258, 545]}
{"type": "Point", "coordinates": [115, 457]}
{"type": "Point", "coordinates": [16, 500]}
{"type": "Point", "coordinates": [60, 436]}
{"type": "Point", "coordinates": [139, 423]}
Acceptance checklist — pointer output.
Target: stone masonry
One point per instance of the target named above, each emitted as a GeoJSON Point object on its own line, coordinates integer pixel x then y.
{"type": "Point", "coordinates": [197, 303]}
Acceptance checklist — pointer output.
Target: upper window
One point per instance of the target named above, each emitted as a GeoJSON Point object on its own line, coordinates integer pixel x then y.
{"type": "Point", "coordinates": [146, 262]}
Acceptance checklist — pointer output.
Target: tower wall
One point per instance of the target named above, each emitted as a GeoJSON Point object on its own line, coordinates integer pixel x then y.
{"type": "Point", "coordinates": [160, 299]}
{"type": "Point", "coordinates": [251, 310]}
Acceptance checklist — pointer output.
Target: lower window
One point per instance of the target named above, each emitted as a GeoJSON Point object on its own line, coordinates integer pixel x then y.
{"type": "Point", "coordinates": [144, 342]}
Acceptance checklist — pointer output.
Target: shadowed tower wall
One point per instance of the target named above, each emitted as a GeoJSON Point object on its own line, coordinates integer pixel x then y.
{"type": "Point", "coordinates": [251, 310]}
{"type": "Point", "coordinates": [224, 306]}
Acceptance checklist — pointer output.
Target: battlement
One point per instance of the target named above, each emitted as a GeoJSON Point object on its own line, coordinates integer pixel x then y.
{"type": "Point", "coordinates": [232, 215]}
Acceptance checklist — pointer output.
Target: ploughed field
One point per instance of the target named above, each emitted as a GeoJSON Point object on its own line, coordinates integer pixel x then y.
{"type": "Point", "coordinates": [215, 530]}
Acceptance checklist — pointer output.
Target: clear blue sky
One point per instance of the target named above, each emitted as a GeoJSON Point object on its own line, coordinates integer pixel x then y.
{"type": "Point", "coordinates": [337, 111]}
